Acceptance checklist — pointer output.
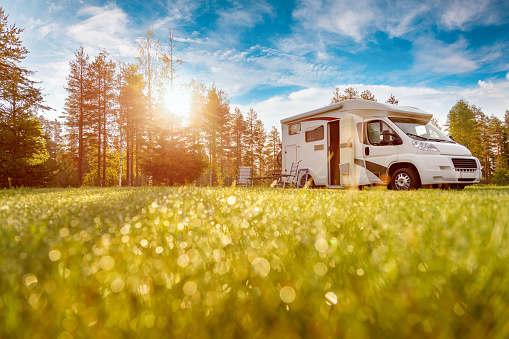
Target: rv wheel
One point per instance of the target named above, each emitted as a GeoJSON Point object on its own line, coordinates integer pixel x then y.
{"type": "Point", "coordinates": [404, 179]}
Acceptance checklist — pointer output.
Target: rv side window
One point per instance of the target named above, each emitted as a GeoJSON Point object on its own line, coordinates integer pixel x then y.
{"type": "Point", "coordinates": [315, 134]}
{"type": "Point", "coordinates": [294, 128]}
{"type": "Point", "coordinates": [375, 129]}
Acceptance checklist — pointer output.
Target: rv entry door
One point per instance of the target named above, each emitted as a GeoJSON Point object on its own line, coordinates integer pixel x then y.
{"type": "Point", "coordinates": [333, 132]}
{"type": "Point", "coordinates": [346, 151]}
{"type": "Point", "coordinates": [290, 157]}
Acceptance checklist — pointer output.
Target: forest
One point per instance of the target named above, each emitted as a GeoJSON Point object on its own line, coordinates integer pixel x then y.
{"type": "Point", "coordinates": [115, 129]}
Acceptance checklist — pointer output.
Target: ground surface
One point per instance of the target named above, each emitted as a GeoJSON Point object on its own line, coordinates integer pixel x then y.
{"type": "Point", "coordinates": [197, 262]}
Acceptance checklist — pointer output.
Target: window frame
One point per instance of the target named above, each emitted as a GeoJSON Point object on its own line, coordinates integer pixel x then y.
{"type": "Point", "coordinates": [294, 128]}
{"type": "Point", "coordinates": [320, 136]}
{"type": "Point", "coordinates": [380, 122]}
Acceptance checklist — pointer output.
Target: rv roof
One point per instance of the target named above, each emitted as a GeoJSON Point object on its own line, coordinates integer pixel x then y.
{"type": "Point", "coordinates": [366, 109]}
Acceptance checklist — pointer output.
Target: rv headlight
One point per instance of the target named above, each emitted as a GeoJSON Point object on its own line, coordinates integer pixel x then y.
{"type": "Point", "coordinates": [424, 146]}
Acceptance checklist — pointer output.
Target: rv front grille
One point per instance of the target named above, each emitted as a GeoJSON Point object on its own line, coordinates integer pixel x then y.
{"type": "Point", "coordinates": [463, 164]}
{"type": "Point", "coordinates": [466, 170]}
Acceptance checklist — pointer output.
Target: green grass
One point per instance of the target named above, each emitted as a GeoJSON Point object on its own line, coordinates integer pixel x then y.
{"type": "Point", "coordinates": [266, 263]}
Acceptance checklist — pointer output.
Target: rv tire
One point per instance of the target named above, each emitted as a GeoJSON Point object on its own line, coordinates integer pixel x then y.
{"type": "Point", "coordinates": [404, 179]}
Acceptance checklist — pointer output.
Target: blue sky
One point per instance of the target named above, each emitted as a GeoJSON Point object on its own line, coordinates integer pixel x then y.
{"type": "Point", "coordinates": [286, 57]}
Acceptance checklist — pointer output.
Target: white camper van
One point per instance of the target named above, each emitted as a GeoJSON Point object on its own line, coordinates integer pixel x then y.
{"type": "Point", "coordinates": [357, 143]}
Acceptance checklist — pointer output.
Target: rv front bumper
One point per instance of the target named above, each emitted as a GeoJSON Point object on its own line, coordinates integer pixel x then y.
{"type": "Point", "coordinates": [441, 169]}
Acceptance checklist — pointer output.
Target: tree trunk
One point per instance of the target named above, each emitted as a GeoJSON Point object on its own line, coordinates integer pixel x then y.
{"type": "Point", "coordinates": [80, 139]}
{"type": "Point", "coordinates": [137, 172]}
{"type": "Point", "coordinates": [104, 146]}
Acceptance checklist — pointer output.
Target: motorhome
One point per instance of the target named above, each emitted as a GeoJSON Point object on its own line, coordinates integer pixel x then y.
{"type": "Point", "coordinates": [356, 143]}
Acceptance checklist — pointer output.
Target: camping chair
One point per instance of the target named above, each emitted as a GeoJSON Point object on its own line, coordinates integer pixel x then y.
{"type": "Point", "coordinates": [245, 176]}
{"type": "Point", "coordinates": [292, 177]}
{"type": "Point", "coordinates": [302, 177]}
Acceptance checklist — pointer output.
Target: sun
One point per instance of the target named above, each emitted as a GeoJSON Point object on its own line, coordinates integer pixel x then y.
{"type": "Point", "coordinates": [178, 102]}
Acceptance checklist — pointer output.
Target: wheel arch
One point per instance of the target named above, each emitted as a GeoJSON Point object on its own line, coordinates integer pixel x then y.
{"type": "Point", "coordinates": [396, 166]}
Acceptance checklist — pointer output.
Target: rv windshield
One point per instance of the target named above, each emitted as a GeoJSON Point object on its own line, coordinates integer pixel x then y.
{"type": "Point", "coordinates": [420, 131]}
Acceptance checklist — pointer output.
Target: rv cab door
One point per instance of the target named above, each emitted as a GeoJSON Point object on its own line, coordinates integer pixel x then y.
{"type": "Point", "coordinates": [379, 154]}
{"type": "Point", "coordinates": [346, 151]}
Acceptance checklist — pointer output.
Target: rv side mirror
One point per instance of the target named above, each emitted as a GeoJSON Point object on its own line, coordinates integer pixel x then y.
{"type": "Point", "coordinates": [390, 138]}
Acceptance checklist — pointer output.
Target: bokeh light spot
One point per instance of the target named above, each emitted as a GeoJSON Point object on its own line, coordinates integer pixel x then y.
{"type": "Point", "coordinates": [117, 285]}
{"type": "Point", "coordinates": [231, 200]}
{"type": "Point", "coordinates": [190, 288]}
{"type": "Point", "coordinates": [320, 269]}
{"type": "Point", "coordinates": [54, 255]}
{"type": "Point", "coordinates": [321, 245]}
{"type": "Point", "coordinates": [331, 298]}
{"type": "Point", "coordinates": [183, 260]}
{"type": "Point", "coordinates": [458, 310]}
{"type": "Point", "coordinates": [287, 294]}
{"type": "Point", "coordinates": [261, 266]}
{"type": "Point", "coordinates": [107, 263]}
{"type": "Point", "coordinates": [30, 280]}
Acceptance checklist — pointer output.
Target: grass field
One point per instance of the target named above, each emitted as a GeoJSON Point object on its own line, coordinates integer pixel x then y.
{"type": "Point", "coordinates": [247, 263]}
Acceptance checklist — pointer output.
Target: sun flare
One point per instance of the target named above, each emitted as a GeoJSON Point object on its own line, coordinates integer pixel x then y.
{"type": "Point", "coordinates": [178, 102]}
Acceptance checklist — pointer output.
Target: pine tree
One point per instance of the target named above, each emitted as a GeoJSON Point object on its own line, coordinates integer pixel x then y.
{"type": "Point", "coordinates": [260, 139]}
{"type": "Point", "coordinates": [273, 147]}
{"type": "Point", "coordinates": [171, 161]}
{"type": "Point", "coordinates": [496, 128]}
{"type": "Point", "coordinates": [434, 122]}
{"type": "Point", "coordinates": [249, 138]}
{"type": "Point", "coordinates": [392, 100]}
{"type": "Point", "coordinates": [170, 62]}
{"type": "Point", "coordinates": [102, 97]}
{"type": "Point", "coordinates": [216, 117]}
{"type": "Point", "coordinates": [482, 142]}
{"type": "Point", "coordinates": [349, 93]}
{"type": "Point", "coordinates": [504, 148]}
{"type": "Point", "coordinates": [23, 153]}
{"type": "Point", "coordinates": [131, 117]}
{"type": "Point", "coordinates": [76, 111]}
{"type": "Point", "coordinates": [367, 95]}
{"type": "Point", "coordinates": [461, 124]}
{"type": "Point", "coordinates": [238, 132]}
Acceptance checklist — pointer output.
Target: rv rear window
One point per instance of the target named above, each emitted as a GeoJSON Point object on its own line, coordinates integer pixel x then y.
{"type": "Point", "coordinates": [294, 128]}
{"type": "Point", "coordinates": [315, 134]}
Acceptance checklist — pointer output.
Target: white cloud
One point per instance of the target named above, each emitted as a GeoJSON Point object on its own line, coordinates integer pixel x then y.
{"type": "Point", "coordinates": [48, 29]}
{"type": "Point", "coordinates": [182, 10]}
{"type": "Point", "coordinates": [272, 110]}
{"type": "Point", "coordinates": [485, 85]}
{"type": "Point", "coordinates": [346, 17]}
{"type": "Point", "coordinates": [361, 19]}
{"type": "Point", "coordinates": [238, 72]}
{"type": "Point", "coordinates": [244, 15]}
{"type": "Point", "coordinates": [53, 8]}
{"type": "Point", "coordinates": [507, 76]}
{"type": "Point", "coordinates": [402, 22]}
{"type": "Point", "coordinates": [105, 28]}
{"type": "Point", "coordinates": [493, 98]}
{"type": "Point", "coordinates": [439, 57]}
{"type": "Point", "coordinates": [459, 14]}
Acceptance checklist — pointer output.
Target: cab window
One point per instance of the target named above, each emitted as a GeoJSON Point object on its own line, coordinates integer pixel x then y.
{"type": "Point", "coordinates": [374, 131]}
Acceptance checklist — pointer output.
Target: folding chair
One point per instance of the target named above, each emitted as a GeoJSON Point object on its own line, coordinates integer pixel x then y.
{"type": "Point", "coordinates": [302, 177]}
{"type": "Point", "coordinates": [245, 176]}
{"type": "Point", "coordinates": [291, 178]}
